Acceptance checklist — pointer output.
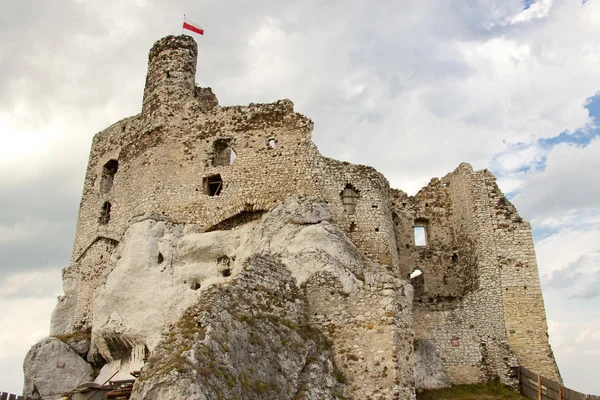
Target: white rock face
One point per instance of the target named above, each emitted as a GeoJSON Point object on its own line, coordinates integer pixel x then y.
{"type": "Point", "coordinates": [62, 316]}
{"type": "Point", "coordinates": [51, 368]}
{"type": "Point", "coordinates": [430, 372]}
{"type": "Point", "coordinates": [160, 273]}
{"type": "Point", "coordinates": [141, 296]}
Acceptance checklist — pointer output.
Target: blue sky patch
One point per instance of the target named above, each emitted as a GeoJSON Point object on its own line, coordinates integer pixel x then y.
{"type": "Point", "coordinates": [580, 137]}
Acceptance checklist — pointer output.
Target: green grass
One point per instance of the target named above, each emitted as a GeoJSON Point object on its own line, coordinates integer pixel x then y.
{"type": "Point", "coordinates": [491, 391]}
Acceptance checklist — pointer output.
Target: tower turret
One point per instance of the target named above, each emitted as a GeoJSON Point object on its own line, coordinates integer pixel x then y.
{"type": "Point", "coordinates": [171, 76]}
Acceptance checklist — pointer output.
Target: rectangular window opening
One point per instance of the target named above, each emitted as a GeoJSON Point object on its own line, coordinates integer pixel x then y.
{"type": "Point", "coordinates": [420, 236]}
{"type": "Point", "coordinates": [213, 185]}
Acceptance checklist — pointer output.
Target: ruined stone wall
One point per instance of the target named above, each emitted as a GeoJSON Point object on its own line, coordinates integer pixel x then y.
{"type": "Point", "coordinates": [187, 160]}
{"type": "Point", "coordinates": [370, 332]}
{"type": "Point", "coordinates": [461, 302]}
{"type": "Point", "coordinates": [164, 161]}
{"type": "Point", "coordinates": [522, 301]}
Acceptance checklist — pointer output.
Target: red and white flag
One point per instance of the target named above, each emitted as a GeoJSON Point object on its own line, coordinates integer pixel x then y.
{"type": "Point", "coordinates": [190, 26]}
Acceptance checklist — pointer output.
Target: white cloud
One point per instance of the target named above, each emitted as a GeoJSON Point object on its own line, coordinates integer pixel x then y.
{"type": "Point", "coordinates": [539, 9]}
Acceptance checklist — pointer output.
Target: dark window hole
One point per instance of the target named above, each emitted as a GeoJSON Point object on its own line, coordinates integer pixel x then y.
{"type": "Point", "coordinates": [105, 213]}
{"type": "Point", "coordinates": [195, 285]}
{"type": "Point", "coordinates": [455, 257]}
{"type": "Point", "coordinates": [160, 258]}
{"type": "Point", "coordinates": [349, 198]}
{"type": "Point", "coordinates": [226, 272]}
{"type": "Point", "coordinates": [108, 175]}
{"type": "Point", "coordinates": [213, 185]}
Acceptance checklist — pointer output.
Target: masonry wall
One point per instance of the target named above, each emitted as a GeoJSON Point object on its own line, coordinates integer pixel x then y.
{"type": "Point", "coordinates": [183, 138]}
{"type": "Point", "coordinates": [370, 331]}
{"type": "Point", "coordinates": [469, 302]}
{"type": "Point", "coordinates": [522, 300]}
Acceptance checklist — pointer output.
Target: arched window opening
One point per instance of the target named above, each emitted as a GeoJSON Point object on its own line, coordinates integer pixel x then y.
{"type": "Point", "coordinates": [271, 143]}
{"type": "Point", "coordinates": [105, 213]}
{"type": "Point", "coordinates": [417, 280]}
{"type": "Point", "coordinates": [108, 175]}
{"type": "Point", "coordinates": [349, 198]}
{"type": "Point", "coordinates": [416, 272]}
{"type": "Point", "coordinates": [213, 185]}
{"type": "Point", "coordinates": [420, 232]}
{"type": "Point", "coordinates": [455, 256]}
{"type": "Point", "coordinates": [223, 154]}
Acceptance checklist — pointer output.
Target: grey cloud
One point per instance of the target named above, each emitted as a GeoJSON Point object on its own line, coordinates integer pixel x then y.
{"type": "Point", "coordinates": [591, 288]}
{"type": "Point", "coordinates": [575, 279]}
{"type": "Point", "coordinates": [568, 183]}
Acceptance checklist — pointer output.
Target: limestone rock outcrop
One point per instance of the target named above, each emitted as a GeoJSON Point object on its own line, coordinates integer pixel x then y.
{"type": "Point", "coordinates": [236, 313]}
{"type": "Point", "coordinates": [430, 372]}
{"type": "Point", "coordinates": [52, 368]}
{"type": "Point", "coordinates": [248, 339]}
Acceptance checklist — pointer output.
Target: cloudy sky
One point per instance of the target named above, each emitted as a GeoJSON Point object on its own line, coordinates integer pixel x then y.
{"type": "Point", "coordinates": [412, 88]}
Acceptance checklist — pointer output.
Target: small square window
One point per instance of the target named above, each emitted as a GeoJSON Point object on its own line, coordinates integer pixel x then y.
{"type": "Point", "coordinates": [213, 185]}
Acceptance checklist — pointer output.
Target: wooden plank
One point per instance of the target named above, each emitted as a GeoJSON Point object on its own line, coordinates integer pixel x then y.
{"type": "Point", "coordinates": [550, 384]}
{"type": "Point", "coordinates": [550, 395]}
{"type": "Point", "coordinates": [530, 393]}
{"type": "Point", "coordinates": [527, 373]}
{"type": "Point", "coordinates": [570, 394]}
{"type": "Point", "coordinates": [527, 384]}
{"type": "Point", "coordinates": [539, 387]}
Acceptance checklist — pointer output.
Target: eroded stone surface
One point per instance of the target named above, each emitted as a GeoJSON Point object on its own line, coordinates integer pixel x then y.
{"type": "Point", "coordinates": [430, 372]}
{"type": "Point", "coordinates": [52, 368]}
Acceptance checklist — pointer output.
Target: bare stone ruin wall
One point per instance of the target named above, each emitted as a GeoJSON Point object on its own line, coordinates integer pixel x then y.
{"type": "Point", "coordinates": [523, 304]}
{"type": "Point", "coordinates": [473, 255]}
{"type": "Point", "coordinates": [165, 155]}
{"type": "Point", "coordinates": [462, 306]}
{"type": "Point", "coordinates": [371, 334]}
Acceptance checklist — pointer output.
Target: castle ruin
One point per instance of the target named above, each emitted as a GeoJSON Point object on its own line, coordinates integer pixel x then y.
{"type": "Point", "coordinates": [185, 161]}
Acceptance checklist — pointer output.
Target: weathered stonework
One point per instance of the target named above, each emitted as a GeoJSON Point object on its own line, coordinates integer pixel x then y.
{"type": "Point", "coordinates": [206, 194]}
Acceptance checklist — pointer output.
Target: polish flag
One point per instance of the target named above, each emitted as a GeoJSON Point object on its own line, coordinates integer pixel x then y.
{"type": "Point", "coordinates": [190, 26]}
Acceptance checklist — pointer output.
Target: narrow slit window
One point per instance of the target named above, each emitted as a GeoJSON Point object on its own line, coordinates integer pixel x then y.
{"type": "Point", "coordinates": [349, 199]}
{"type": "Point", "coordinates": [105, 213]}
{"type": "Point", "coordinates": [213, 185]}
{"type": "Point", "coordinates": [420, 236]}
{"type": "Point", "coordinates": [108, 175]}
